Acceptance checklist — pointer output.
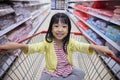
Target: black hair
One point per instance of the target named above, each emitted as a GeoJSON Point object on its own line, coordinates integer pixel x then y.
{"type": "Point", "coordinates": [55, 19]}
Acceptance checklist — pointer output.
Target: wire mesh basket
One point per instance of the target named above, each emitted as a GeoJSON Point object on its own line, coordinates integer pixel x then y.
{"type": "Point", "coordinates": [29, 67]}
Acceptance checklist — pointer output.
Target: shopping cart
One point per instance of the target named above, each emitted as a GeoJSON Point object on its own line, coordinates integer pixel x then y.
{"type": "Point", "coordinates": [29, 67]}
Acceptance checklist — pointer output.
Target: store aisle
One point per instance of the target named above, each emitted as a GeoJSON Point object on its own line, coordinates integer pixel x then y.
{"type": "Point", "coordinates": [25, 18]}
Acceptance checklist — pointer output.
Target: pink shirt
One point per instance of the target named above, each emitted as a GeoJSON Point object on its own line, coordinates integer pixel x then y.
{"type": "Point", "coordinates": [63, 67]}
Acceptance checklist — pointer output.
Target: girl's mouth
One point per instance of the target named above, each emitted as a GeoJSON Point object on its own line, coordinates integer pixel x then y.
{"type": "Point", "coordinates": [59, 34]}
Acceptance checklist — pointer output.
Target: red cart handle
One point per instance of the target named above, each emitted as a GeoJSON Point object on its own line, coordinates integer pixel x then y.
{"type": "Point", "coordinates": [75, 33]}
{"type": "Point", "coordinates": [115, 58]}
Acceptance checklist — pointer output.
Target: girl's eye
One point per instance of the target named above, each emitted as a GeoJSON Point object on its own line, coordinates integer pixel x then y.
{"type": "Point", "coordinates": [56, 26]}
{"type": "Point", "coordinates": [64, 26]}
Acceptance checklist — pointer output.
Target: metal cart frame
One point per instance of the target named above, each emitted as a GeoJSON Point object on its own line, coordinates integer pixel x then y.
{"type": "Point", "coordinates": [29, 67]}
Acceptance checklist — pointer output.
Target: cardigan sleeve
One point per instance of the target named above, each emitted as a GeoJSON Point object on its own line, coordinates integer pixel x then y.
{"type": "Point", "coordinates": [36, 47]}
{"type": "Point", "coordinates": [81, 47]}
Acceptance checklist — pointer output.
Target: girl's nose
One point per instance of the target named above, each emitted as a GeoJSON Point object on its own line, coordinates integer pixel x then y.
{"type": "Point", "coordinates": [60, 28]}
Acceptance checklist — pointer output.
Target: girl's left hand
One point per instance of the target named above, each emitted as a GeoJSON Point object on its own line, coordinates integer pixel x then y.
{"type": "Point", "coordinates": [103, 50]}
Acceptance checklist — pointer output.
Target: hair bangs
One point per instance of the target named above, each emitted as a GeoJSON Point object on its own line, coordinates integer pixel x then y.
{"type": "Point", "coordinates": [56, 20]}
{"type": "Point", "coordinates": [63, 20]}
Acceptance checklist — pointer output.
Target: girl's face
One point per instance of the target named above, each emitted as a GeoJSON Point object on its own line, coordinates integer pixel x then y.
{"type": "Point", "coordinates": [59, 30]}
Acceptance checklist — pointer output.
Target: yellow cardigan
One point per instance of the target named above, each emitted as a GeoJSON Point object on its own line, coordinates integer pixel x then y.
{"type": "Point", "coordinates": [50, 55]}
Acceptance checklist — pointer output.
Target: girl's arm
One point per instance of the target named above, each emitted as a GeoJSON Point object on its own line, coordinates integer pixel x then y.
{"type": "Point", "coordinates": [104, 50]}
{"type": "Point", "coordinates": [13, 46]}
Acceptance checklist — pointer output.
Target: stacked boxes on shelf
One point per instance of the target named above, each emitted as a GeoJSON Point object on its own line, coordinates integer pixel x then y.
{"type": "Point", "coordinates": [23, 10]}
{"type": "Point", "coordinates": [98, 24]}
{"type": "Point", "coordinates": [9, 19]}
{"type": "Point", "coordinates": [5, 9]}
{"type": "Point", "coordinates": [5, 57]}
{"type": "Point", "coordinates": [99, 40]}
{"type": "Point", "coordinates": [81, 15]}
{"type": "Point", "coordinates": [21, 32]}
{"type": "Point", "coordinates": [113, 32]}
{"type": "Point", "coordinates": [116, 15]}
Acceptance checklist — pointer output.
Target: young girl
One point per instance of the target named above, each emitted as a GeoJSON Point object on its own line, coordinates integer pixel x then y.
{"type": "Point", "coordinates": [58, 49]}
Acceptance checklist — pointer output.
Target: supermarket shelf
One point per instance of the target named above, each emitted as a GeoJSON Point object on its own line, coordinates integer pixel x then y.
{"type": "Point", "coordinates": [37, 13]}
{"type": "Point", "coordinates": [107, 64]}
{"type": "Point", "coordinates": [38, 23]}
{"type": "Point", "coordinates": [85, 0]}
{"type": "Point", "coordinates": [2, 32]}
{"type": "Point", "coordinates": [32, 4]}
{"type": "Point", "coordinates": [8, 63]}
{"type": "Point", "coordinates": [117, 22]}
{"type": "Point", "coordinates": [24, 0]}
{"type": "Point", "coordinates": [102, 35]}
{"type": "Point", "coordinates": [83, 32]}
{"type": "Point", "coordinates": [110, 63]}
{"type": "Point", "coordinates": [5, 66]}
{"type": "Point", "coordinates": [6, 11]}
{"type": "Point", "coordinates": [70, 1]}
{"type": "Point", "coordinates": [11, 58]}
{"type": "Point", "coordinates": [35, 4]}
{"type": "Point", "coordinates": [99, 33]}
{"type": "Point", "coordinates": [41, 13]}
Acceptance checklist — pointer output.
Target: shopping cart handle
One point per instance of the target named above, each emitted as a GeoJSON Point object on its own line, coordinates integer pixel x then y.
{"type": "Point", "coordinates": [115, 58]}
{"type": "Point", "coordinates": [1, 50]}
{"type": "Point", "coordinates": [76, 33]}
{"type": "Point", "coordinates": [42, 32]}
